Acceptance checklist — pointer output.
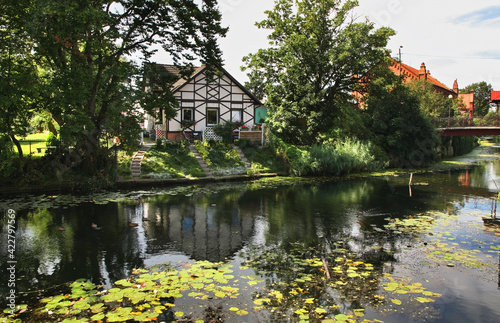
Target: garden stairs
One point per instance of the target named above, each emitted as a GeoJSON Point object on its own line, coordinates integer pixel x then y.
{"type": "Point", "coordinates": [200, 161]}
{"type": "Point", "coordinates": [243, 157]}
{"type": "Point", "coordinates": [135, 165]}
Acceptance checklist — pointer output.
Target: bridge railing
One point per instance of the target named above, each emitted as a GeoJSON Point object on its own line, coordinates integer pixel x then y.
{"type": "Point", "coordinates": [466, 121]}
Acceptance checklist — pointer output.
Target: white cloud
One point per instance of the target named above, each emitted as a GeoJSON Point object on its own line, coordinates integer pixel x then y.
{"type": "Point", "coordinates": [482, 16]}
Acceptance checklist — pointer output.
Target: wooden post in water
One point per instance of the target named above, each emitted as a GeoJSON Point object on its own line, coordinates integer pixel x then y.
{"type": "Point", "coordinates": [409, 183]}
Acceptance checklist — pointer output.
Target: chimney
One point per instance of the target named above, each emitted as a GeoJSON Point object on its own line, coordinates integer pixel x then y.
{"type": "Point", "coordinates": [422, 74]}
{"type": "Point", "coordinates": [455, 86]}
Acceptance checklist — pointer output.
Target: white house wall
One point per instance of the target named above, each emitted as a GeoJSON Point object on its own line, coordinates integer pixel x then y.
{"type": "Point", "coordinates": [223, 94]}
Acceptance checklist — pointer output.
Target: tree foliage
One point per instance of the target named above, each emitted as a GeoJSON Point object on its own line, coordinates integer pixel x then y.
{"type": "Point", "coordinates": [86, 48]}
{"type": "Point", "coordinates": [394, 122]}
{"type": "Point", "coordinates": [482, 96]}
{"type": "Point", "coordinates": [432, 103]}
{"type": "Point", "coordinates": [19, 80]}
{"type": "Point", "coordinates": [318, 55]}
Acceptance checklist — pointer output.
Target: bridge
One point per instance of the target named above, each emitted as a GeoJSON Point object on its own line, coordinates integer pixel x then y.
{"type": "Point", "coordinates": [467, 126]}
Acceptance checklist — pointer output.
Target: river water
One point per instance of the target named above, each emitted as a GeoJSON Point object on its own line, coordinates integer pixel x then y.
{"type": "Point", "coordinates": [102, 237]}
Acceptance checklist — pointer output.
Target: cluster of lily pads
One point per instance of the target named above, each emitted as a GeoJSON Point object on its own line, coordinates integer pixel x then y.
{"type": "Point", "coordinates": [301, 285]}
{"type": "Point", "coordinates": [441, 246]}
{"type": "Point", "coordinates": [65, 201]}
{"type": "Point", "coordinates": [147, 295]}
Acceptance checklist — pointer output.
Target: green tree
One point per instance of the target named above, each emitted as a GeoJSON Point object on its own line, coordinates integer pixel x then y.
{"type": "Point", "coordinates": [432, 103]}
{"type": "Point", "coordinates": [318, 55]}
{"type": "Point", "coordinates": [482, 95]}
{"type": "Point", "coordinates": [394, 122]}
{"type": "Point", "coordinates": [87, 46]}
{"type": "Point", "coordinates": [18, 80]}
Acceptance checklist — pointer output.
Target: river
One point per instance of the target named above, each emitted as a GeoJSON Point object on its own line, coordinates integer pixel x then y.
{"type": "Point", "coordinates": [447, 272]}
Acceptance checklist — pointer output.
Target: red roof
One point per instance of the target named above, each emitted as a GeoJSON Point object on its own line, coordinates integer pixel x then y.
{"type": "Point", "coordinates": [412, 74]}
{"type": "Point", "coordinates": [495, 96]}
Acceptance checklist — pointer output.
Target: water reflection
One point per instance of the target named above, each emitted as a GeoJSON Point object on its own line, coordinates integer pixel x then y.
{"type": "Point", "coordinates": [201, 230]}
{"type": "Point", "coordinates": [216, 223]}
{"type": "Point", "coordinates": [99, 243]}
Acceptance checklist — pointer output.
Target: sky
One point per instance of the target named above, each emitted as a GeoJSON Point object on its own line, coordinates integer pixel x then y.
{"type": "Point", "coordinates": [456, 39]}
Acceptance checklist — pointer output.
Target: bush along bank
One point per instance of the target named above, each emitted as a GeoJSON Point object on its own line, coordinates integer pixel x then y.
{"type": "Point", "coordinates": [331, 158]}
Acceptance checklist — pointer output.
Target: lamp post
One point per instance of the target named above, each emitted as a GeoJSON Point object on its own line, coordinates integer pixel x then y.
{"type": "Point", "coordinates": [400, 60]}
{"type": "Point", "coordinates": [449, 110]}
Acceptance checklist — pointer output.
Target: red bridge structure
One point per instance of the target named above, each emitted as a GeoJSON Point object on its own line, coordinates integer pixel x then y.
{"type": "Point", "coordinates": [467, 126]}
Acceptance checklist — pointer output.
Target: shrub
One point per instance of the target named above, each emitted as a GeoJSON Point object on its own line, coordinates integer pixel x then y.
{"type": "Point", "coordinates": [52, 140]}
{"type": "Point", "coordinates": [226, 129]}
{"type": "Point", "coordinates": [6, 147]}
{"type": "Point", "coordinates": [159, 143]}
{"type": "Point", "coordinates": [491, 119]}
{"type": "Point", "coordinates": [243, 143]}
{"type": "Point", "coordinates": [327, 159]}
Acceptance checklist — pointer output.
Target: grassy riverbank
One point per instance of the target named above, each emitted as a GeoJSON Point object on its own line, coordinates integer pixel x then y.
{"type": "Point", "coordinates": [174, 161]}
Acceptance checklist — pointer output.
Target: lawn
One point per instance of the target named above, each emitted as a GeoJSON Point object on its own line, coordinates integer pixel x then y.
{"type": "Point", "coordinates": [263, 160]}
{"type": "Point", "coordinates": [221, 158]}
{"type": "Point", "coordinates": [31, 142]}
{"type": "Point", "coordinates": [173, 160]}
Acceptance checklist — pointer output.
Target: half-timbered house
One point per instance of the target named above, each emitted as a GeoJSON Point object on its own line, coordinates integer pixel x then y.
{"type": "Point", "coordinates": [205, 102]}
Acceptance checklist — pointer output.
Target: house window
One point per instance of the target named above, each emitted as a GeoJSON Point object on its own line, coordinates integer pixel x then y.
{"type": "Point", "coordinates": [236, 115]}
{"type": "Point", "coordinates": [187, 115]}
{"type": "Point", "coordinates": [212, 116]}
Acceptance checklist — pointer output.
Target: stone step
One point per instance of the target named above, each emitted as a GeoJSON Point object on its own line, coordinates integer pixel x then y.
{"type": "Point", "coordinates": [135, 165]}
{"type": "Point", "coordinates": [243, 157]}
{"type": "Point", "coordinates": [200, 161]}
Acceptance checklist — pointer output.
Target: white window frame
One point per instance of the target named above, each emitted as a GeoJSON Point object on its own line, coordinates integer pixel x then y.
{"type": "Point", "coordinates": [217, 116]}
{"type": "Point", "coordinates": [240, 115]}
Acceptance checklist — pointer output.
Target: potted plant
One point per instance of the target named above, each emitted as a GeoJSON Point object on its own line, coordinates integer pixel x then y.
{"type": "Point", "coordinates": [187, 124]}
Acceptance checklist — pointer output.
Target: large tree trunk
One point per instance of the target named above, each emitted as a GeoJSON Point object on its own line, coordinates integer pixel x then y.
{"type": "Point", "coordinates": [52, 128]}
{"type": "Point", "coordinates": [89, 153]}
{"type": "Point", "coordinates": [18, 145]}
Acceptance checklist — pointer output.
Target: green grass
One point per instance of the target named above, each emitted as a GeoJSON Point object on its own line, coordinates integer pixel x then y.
{"type": "Point", "coordinates": [219, 155]}
{"type": "Point", "coordinates": [124, 161]}
{"type": "Point", "coordinates": [263, 160]}
{"type": "Point", "coordinates": [25, 146]}
{"type": "Point", "coordinates": [172, 161]}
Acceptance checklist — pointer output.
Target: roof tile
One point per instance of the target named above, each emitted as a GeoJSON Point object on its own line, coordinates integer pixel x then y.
{"type": "Point", "coordinates": [413, 73]}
